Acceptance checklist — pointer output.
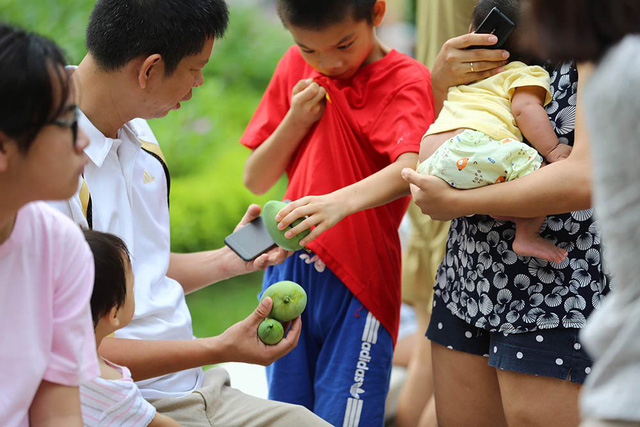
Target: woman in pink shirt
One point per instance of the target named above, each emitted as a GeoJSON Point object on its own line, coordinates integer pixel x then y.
{"type": "Point", "coordinates": [47, 346]}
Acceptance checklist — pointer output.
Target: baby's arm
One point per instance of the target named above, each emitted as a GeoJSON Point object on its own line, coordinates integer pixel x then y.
{"type": "Point", "coordinates": [533, 122]}
{"type": "Point", "coordinates": [267, 163]}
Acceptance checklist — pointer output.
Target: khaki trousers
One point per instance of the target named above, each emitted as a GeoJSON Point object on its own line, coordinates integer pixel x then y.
{"type": "Point", "coordinates": [217, 404]}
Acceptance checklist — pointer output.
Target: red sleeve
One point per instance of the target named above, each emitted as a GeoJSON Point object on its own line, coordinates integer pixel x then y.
{"type": "Point", "coordinates": [273, 107]}
{"type": "Point", "coordinates": [402, 123]}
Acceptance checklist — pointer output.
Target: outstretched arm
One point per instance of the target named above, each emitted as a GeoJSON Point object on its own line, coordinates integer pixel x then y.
{"type": "Point", "coordinates": [196, 270]}
{"type": "Point", "coordinates": [557, 188]}
{"type": "Point", "coordinates": [327, 210]}
{"type": "Point", "coordinates": [239, 343]}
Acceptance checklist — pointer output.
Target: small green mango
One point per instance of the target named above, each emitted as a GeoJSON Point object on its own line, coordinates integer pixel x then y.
{"type": "Point", "coordinates": [271, 208]}
{"type": "Point", "coordinates": [270, 331]}
{"type": "Point", "coordinates": [289, 300]}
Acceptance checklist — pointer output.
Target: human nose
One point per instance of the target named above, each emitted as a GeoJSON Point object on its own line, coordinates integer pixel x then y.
{"type": "Point", "coordinates": [82, 141]}
{"type": "Point", "coordinates": [331, 64]}
{"type": "Point", "coordinates": [199, 81]}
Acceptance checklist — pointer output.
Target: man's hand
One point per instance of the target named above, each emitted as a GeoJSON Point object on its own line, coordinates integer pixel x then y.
{"type": "Point", "coordinates": [432, 195]}
{"type": "Point", "coordinates": [323, 212]}
{"type": "Point", "coordinates": [275, 256]}
{"type": "Point", "coordinates": [243, 345]}
{"type": "Point", "coordinates": [307, 103]}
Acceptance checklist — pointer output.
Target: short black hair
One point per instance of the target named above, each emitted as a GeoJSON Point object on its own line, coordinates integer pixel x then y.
{"type": "Point", "coordinates": [320, 14]}
{"type": "Point", "coordinates": [110, 283]}
{"type": "Point", "coordinates": [32, 78]}
{"type": "Point", "coordinates": [122, 30]}
{"type": "Point", "coordinates": [582, 30]}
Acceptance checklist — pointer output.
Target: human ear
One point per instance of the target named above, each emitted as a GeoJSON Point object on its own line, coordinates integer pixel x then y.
{"type": "Point", "coordinates": [379, 9]}
{"type": "Point", "coordinates": [149, 67]}
{"type": "Point", "coordinates": [113, 318]}
{"type": "Point", "coordinates": [4, 152]}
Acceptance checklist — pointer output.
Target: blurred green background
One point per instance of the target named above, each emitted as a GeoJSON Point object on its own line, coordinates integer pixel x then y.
{"type": "Point", "coordinates": [200, 142]}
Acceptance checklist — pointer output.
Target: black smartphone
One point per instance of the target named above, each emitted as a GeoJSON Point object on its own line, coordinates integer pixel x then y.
{"type": "Point", "coordinates": [251, 240]}
{"type": "Point", "coordinates": [496, 23]}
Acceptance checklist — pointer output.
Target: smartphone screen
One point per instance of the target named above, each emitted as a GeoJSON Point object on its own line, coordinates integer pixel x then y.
{"type": "Point", "coordinates": [251, 240]}
{"type": "Point", "coordinates": [496, 23]}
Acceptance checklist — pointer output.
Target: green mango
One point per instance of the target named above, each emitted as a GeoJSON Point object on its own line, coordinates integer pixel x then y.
{"type": "Point", "coordinates": [289, 300]}
{"type": "Point", "coordinates": [270, 331]}
{"type": "Point", "coordinates": [271, 208]}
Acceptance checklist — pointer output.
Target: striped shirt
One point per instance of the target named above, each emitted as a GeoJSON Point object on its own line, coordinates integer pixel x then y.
{"type": "Point", "coordinates": [114, 402]}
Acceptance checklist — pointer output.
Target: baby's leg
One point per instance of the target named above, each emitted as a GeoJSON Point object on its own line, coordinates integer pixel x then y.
{"type": "Point", "coordinates": [528, 241]}
{"type": "Point", "coordinates": [430, 143]}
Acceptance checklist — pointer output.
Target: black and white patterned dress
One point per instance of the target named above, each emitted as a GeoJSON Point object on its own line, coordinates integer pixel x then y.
{"type": "Point", "coordinates": [482, 280]}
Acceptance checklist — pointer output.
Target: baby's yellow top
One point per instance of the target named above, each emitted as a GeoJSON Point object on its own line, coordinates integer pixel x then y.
{"type": "Point", "coordinates": [485, 105]}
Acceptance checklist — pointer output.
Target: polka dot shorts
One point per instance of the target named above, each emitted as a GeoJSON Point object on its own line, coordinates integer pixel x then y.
{"type": "Point", "coordinates": [555, 353]}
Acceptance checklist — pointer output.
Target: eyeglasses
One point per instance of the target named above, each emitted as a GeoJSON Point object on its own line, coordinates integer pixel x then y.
{"type": "Point", "coordinates": [70, 124]}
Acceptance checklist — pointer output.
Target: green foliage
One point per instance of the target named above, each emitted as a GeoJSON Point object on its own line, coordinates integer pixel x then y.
{"type": "Point", "coordinates": [206, 207]}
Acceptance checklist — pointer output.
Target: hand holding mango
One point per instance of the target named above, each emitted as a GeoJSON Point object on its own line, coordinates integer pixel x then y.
{"type": "Point", "coordinates": [289, 301]}
{"type": "Point", "coordinates": [269, 212]}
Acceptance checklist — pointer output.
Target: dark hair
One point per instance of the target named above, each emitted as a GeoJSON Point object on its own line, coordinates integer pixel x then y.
{"type": "Point", "coordinates": [582, 30]}
{"type": "Point", "coordinates": [516, 45]}
{"type": "Point", "coordinates": [319, 14]}
{"type": "Point", "coordinates": [110, 284]}
{"type": "Point", "coordinates": [34, 86]}
{"type": "Point", "coordinates": [122, 30]}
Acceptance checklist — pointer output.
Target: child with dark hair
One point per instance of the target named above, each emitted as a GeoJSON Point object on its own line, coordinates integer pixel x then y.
{"type": "Point", "coordinates": [46, 341]}
{"type": "Point", "coordinates": [477, 138]}
{"type": "Point", "coordinates": [342, 116]}
{"type": "Point", "coordinates": [113, 398]}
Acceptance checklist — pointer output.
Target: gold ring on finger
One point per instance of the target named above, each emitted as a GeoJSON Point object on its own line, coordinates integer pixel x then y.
{"type": "Point", "coordinates": [472, 70]}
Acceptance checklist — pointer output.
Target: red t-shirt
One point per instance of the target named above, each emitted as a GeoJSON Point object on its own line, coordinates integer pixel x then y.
{"type": "Point", "coordinates": [371, 119]}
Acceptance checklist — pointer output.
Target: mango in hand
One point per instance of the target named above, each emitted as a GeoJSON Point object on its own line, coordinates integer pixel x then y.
{"type": "Point", "coordinates": [270, 331]}
{"type": "Point", "coordinates": [271, 208]}
{"type": "Point", "coordinates": [289, 300]}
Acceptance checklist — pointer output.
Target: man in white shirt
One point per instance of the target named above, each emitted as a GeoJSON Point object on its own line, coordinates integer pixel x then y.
{"type": "Point", "coordinates": [144, 59]}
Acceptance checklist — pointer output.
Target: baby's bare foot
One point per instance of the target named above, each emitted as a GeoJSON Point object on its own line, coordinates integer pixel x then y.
{"type": "Point", "coordinates": [538, 247]}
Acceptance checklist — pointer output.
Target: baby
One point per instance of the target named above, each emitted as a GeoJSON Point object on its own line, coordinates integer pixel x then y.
{"type": "Point", "coordinates": [477, 138]}
{"type": "Point", "coordinates": [113, 397]}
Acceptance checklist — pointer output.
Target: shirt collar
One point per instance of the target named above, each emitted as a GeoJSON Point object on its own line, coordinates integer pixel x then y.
{"type": "Point", "coordinates": [99, 145]}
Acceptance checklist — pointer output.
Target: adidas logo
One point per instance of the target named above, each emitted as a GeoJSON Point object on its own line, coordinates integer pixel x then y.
{"type": "Point", "coordinates": [148, 178]}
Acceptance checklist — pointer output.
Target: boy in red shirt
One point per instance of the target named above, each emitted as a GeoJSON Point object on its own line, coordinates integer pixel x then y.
{"type": "Point", "coordinates": [342, 116]}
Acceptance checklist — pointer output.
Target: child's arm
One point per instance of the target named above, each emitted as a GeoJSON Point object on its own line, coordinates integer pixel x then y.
{"type": "Point", "coordinates": [533, 121]}
{"type": "Point", "coordinates": [267, 163]}
{"type": "Point", "coordinates": [55, 405]}
{"type": "Point", "coordinates": [327, 210]}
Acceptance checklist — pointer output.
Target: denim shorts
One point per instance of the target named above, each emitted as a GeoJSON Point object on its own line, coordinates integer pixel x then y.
{"type": "Point", "coordinates": [555, 353]}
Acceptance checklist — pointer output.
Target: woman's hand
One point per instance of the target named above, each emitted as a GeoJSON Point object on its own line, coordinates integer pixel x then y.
{"type": "Point", "coordinates": [455, 65]}
{"type": "Point", "coordinates": [433, 196]}
{"type": "Point", "coordinates": [323, 212]}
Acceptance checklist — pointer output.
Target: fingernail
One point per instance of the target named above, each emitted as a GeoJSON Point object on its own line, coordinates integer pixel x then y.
{"type": "Point", "coordinates": [280, 226]}
{"type": "Point", "coordinates": [277, 217]}
{"type": "Point", "coordinates": [505, 54]}
{"type": "Point", "coordinates": [287, 234]}
{"type": "Point", "coordinates": [492, 39]}
{"type": "Point", "coordinates": [303, 242]}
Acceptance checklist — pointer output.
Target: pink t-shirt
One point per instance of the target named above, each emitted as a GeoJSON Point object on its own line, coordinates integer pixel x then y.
{"type": "Point", "coordinates": [46, 332]}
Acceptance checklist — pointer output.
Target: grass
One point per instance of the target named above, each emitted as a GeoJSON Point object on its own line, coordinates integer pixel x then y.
{"type": "Point", "coordinates": [219, 306]}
